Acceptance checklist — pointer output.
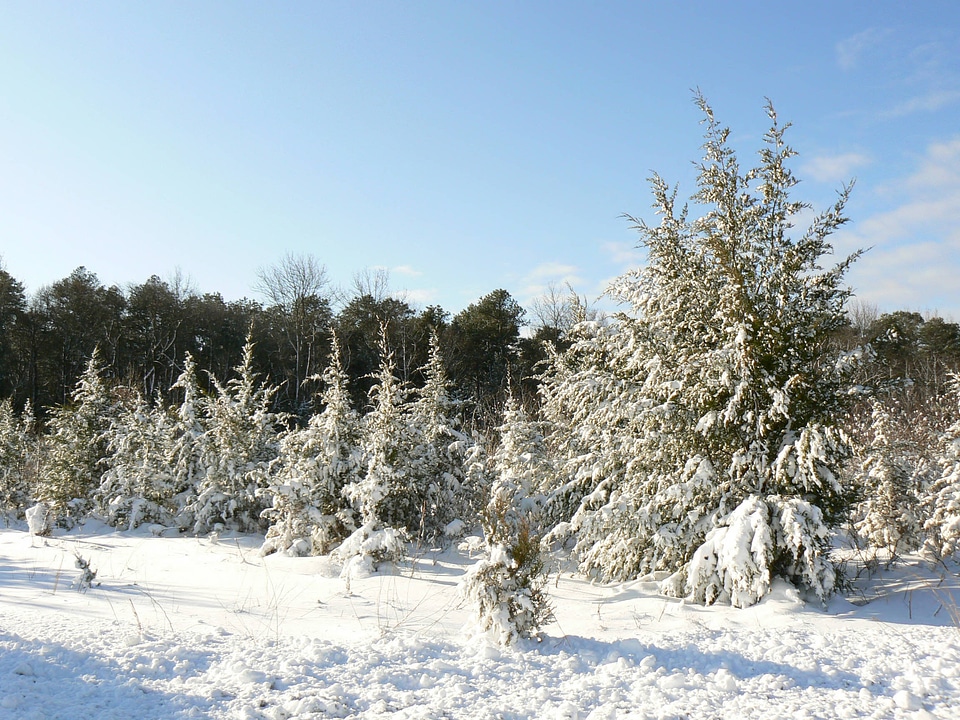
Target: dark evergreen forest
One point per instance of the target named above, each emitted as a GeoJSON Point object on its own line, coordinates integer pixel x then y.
{"type": "Point", "coordinates": [145, 330]}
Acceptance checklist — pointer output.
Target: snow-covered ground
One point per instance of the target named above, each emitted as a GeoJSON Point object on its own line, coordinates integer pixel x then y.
{"type": "Point", "coordinates": [184, 627]}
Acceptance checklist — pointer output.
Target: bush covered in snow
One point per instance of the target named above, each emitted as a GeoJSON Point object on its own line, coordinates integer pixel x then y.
{"type": "Point", "coordinates": [761, 539]}
{"type": "Point", "coordinates": [943, 523]}
{"type": "Point", "coordinates": [39, 519]}
{"type": "Point", "coordinates": [506, 587]}
{"type": "Point", "coordinates": [75, 448]}
{"type": "Point", "coordinates": [17, 461]}
{"type": "Point", "coordinates": [235, 453]}
{"type": "Point", "coordinates": [368, 547]}
{"type": "Point", "coordinates": [385, 494]}
{"type": "Point", "coordinates": [892, 478]}
{"type": "Point", "coordinates": [139, 484]}
{"type": "Point", "coordinates": [440, 458]}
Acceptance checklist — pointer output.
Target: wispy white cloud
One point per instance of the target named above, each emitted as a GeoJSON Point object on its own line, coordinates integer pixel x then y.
{"type": "Point", "coordinates": [919, 77]}
{"type": "Point", "coordinates": [406, 270]}
{"type": "Point", "coordinates": [418, 296]}
{"type": "Point", "coordinates": [940, 168]}
{"type": "Point", "coordinates": [622, 253]}
{"type": "Point", "coordinates": [931, 102]}
{"type": "Point", "coordinates": [851, 50]}
{"type": "Point", "coordinates": [931, 62]}
{"type": "Point", "coordinates": [834, 168]}
{"type": "Point", "coordinates": [538, 280]}
{"type": "Point", "coordinates": [553, 271]}
{"type": "Point", "coordinates": [914, 256]}
{"type": "Point", "coordinates": [914, 276]}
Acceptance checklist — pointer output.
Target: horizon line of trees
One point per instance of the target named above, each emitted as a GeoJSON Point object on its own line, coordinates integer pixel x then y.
{"type": "Point", "coordinates": [143, 333]}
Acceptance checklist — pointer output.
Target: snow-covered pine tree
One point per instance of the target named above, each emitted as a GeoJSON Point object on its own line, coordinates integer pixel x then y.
{"type": "Point", "coordinates": [440, 457]}
{"type": "Point", "coordinates": [589, 403]}
{"type": "Point", "coordinates": [184, 448]}
{"type": "Point", "coordinates": [506, 587]}
{"type": "Point", "coordinates": [310, 512]}
{"type": "Point", "coordinates": [891, 479]}
{"type": "Point", "coordinates": [709, 447]}
{"type": "Point", "coordinates": [942, 527]}
{"type": "Point", "coordinates": [139, 484]}
{"type": "Point", "coordinates": [238, 448]}
{"type": "Point", "coordinates": [74, 448]}
{"type": "Point", "coordinates": [17, 458]}
{"type": "Point", "coordinates": [385, 495]}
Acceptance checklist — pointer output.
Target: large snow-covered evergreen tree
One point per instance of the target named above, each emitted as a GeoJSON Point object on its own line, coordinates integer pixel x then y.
{"type": "Point", "coordinates": [310, 512]}
{"type": "Point", "coordinates": [697, 429]}
{"type": "Point", "coordinates": [239, 444]}
{"type": "Point", "coordinates": [75, 447]}
{"type": "Point", "coordinates": [506, 587]}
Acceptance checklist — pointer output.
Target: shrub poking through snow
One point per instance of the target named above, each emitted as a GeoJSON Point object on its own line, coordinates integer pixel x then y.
{"type": "Point", "coordinates": [369, 547]}
{"type": "Point", "coordinates": [506, 587]}
{"type": "Point", "coordinates": [87, 574]}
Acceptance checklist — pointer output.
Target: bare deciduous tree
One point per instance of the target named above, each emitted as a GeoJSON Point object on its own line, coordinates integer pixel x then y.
{"type": "Point", "coordinates": [862, 316]}
{"type": "Point", "coordinates": [298, 290]}
{"type": "Point", "coordinates": [293, 280]}
{"type": "Point", "coordinates": [560, 310]}
{"type": "Point", "coordinates": [373, 282]}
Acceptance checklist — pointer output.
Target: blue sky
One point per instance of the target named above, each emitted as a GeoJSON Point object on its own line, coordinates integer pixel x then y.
{"type": "Point", "coordinates": [463, 146]}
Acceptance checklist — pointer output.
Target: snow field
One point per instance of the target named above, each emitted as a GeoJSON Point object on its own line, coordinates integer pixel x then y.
{"type": "Point", "coordinates": [206, 628]}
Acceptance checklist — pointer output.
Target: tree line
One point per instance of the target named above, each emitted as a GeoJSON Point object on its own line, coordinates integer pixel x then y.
{"type": "Point", "coordinates": [144, 331]}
